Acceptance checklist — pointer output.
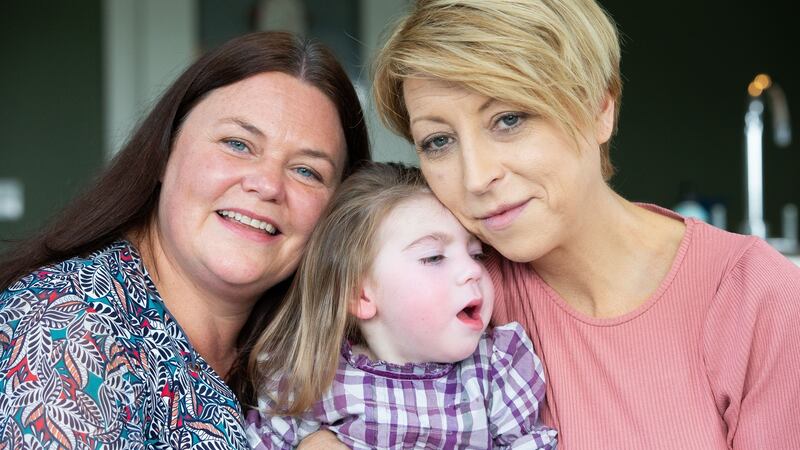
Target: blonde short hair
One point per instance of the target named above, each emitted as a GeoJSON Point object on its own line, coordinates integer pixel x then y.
{"type": "Point", "coordinates": [557, 58]}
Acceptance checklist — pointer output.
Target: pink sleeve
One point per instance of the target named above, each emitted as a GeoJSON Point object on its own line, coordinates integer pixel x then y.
{"type": "Point", "coordinates": [751, 345]}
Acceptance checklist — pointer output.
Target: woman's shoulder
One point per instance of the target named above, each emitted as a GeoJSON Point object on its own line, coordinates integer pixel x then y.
{"type": "Point", "coordinates": [743, 260]}
{"type": "Point", "coordinates": [758, 276]}
{"type": "Point", "coordinates": [756, 302]}
{"type": "Point", "coordinates": [711, 242]}
{"type": "Point", "coordinates": [80, 271]}
{"type": "Point", "coordinates": [62, 346]}
{"type": "Point", "coordinates": [751, 342]}
{"type": "Point", "coordinates": [88, 339]}
{"type": "Point", "coordinates": [99, 286]}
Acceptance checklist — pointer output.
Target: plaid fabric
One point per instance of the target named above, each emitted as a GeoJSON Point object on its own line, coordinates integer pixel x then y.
{"type": "Point", "coordinates": [489, 400]}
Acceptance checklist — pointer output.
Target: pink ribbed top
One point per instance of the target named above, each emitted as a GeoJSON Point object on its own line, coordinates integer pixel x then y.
{"type": "Point", "coordinates": [710, 361]}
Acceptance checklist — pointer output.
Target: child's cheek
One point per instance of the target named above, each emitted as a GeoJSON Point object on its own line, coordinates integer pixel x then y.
{"type": "Point", "coordinates": [426, 302]}
{"type": "Point", "coordinates": [428, 313]}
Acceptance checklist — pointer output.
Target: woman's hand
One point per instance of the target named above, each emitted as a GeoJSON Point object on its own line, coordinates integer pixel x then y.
{"type": "Point", "coordinates": [321, 440]}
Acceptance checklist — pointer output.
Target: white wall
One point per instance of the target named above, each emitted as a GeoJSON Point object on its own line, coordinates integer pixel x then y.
{"type": "Point", "coordinates": [376, 18]}
{"type": "Point", "coordinates": [147, 43]}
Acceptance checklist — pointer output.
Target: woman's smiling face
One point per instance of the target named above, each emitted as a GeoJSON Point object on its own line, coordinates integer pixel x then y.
{"type": "Point", "coordinates": [518, 182]}
{"type": "Point", "coordinates": [252, 168]}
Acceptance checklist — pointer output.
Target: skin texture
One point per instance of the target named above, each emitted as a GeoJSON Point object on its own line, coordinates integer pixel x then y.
{"type": "Point", "coordinates": [425, 273]}
{"type": "Point", "coordinates": [537, 195]}
{"type": "Point", "coordinates": [484, 157]}
{"type": "Point", "coordinates": [269, 147]}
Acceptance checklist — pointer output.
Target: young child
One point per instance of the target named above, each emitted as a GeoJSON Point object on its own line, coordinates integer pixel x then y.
{"type": "Point", "coordinates": [390, 304]}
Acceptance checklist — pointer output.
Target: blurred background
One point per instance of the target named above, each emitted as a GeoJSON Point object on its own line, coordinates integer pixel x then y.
{"type": "Point", "coordinates": [77, 76]}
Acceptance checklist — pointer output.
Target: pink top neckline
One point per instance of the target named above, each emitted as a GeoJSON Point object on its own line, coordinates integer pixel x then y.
{"type": "Point", "coordinates": [652, 300]}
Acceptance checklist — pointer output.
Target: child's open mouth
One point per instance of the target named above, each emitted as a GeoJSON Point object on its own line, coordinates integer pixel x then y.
{"type": "Point", "coordinates": [471, 315]}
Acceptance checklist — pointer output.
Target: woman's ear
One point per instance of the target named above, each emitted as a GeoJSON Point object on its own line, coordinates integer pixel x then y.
{"type": "Point", "coordinates": [604, 123]}
{"type": "Point", "coordinates": [364, 307]}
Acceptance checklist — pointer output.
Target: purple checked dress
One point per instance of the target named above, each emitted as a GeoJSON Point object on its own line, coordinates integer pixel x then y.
{"type": "Point", "coordinates": [489, 400]}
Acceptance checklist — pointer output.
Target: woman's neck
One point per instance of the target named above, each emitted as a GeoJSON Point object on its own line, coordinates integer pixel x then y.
{"type": "Point", "coordinates": [211, 322]}
{"type": "Point", "coordinates": [613, 261]}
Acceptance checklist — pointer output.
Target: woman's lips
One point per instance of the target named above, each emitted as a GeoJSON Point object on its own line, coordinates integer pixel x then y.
{"type": "Point", "coordinates": [247, 231]}
{"type": "Point", "coordinates": [504, 216]}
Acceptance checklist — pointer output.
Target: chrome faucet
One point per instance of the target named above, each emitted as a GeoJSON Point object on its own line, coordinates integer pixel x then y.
{"type": "Point", "coordinates": [753, 132]}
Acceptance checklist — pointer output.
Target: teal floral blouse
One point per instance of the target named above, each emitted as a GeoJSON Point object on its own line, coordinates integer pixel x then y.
{"type": "Point", "coordinates": [91, 358]}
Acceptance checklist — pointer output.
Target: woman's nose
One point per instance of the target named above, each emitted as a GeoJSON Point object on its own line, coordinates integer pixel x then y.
{"type": "Point", "coordinates": [480, 165]}
{"type": "Point", "coordinates": [265, 180]}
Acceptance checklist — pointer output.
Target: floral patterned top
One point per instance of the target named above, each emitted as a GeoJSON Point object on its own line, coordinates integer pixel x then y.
{"type": "Point", "coordinates": [91, 358]}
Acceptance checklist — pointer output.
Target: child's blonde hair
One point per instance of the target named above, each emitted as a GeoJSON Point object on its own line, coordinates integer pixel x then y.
{"type": "Point", "coordinates": [556, 58]}
{"type": "Point", "coordinates": [301, 345]}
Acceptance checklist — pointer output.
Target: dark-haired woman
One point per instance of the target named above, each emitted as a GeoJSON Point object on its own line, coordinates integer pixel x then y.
{"type": "Point", "coordinates": [121, 322]}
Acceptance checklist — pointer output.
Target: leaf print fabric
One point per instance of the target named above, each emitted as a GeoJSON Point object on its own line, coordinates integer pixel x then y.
{"type": "Point", "coordinates": [90, 358]}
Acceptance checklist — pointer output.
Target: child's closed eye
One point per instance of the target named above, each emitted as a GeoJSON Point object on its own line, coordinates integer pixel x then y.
{"type": "Point", "coordinates": [431, 259]}
{"type": "Point", "coordinates": [479, 256]}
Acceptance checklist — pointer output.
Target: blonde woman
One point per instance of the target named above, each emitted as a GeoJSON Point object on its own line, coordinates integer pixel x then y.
{"type": "Point", "coordinates": [413, 299]}
{"type": "Point", "coordinates": [656, 331]}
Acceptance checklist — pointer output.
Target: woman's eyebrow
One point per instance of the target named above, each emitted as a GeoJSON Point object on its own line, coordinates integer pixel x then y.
{"type": "Point", "coordinates": [318, 154]}
{"type": "Point", "coordinates": [436, 119]}
{"type": "Point", "coordinates": [247, 126]}
{"type": "Point", "coordinates": [486, 105]}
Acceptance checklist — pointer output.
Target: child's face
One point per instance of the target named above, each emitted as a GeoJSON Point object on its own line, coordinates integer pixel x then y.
{"type": "Point", "coordinates": [433, 296]}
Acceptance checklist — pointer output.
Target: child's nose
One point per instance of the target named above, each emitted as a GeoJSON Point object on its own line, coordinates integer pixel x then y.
{"type": "Point", "coordinates": [471, 270]}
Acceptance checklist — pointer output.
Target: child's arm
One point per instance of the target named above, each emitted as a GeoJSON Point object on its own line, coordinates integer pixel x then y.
{"type": "Point", "coordinates": [322, 440]}
{"type": "Point", "coordinates": [517, 390]}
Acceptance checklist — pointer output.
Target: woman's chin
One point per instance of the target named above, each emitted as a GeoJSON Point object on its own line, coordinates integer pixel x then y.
{"type": "Point", "coordinates": [245, 280]}
{"type": "Point", "coordinates": [519, 253]}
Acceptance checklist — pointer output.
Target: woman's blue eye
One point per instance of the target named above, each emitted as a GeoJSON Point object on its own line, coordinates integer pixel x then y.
{"type": "Point", "coordinates": [435, 143]}
{"type": "Point", "coordinates": [305, 172]}
{"type": "Point", "coordinates": [510, 120]}
{"type": "Point", "coordinates": [236, 145]}
{"type": "Point", "coordinates": [439, 141]}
